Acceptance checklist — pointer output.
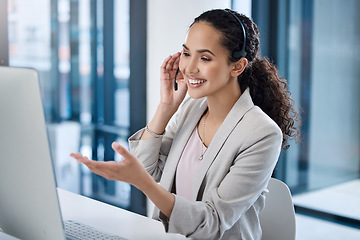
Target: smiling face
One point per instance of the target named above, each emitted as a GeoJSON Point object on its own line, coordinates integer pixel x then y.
{"type": "Point", "coordinates": [205, 65]}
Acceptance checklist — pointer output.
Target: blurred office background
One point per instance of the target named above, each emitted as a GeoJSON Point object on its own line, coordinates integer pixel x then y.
{"type": "Point", "coordinates": [99, 67]}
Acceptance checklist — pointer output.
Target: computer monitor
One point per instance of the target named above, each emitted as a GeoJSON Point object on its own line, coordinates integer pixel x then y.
{"type": "Point", "coordinates": [29, 207]}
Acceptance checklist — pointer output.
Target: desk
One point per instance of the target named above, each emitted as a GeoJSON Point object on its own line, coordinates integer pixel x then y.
{"type": "Point", "coordinates": [111, 219]}
{"type": "Point", "coordinates": [4, 236]}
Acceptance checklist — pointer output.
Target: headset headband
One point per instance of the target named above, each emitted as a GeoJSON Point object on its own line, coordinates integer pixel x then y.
{"type": "Point", "coordinates": [242, 53]}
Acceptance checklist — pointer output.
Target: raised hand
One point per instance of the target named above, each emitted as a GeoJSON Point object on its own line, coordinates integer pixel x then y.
{"type": "Point", "coordinates": [170, 99]}
{"type": "Point", "coordinates": [167, 77]}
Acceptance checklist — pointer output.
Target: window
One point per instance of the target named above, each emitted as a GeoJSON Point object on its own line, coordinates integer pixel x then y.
{"type": "Point", "coordinates": [82, 52]}
{"type": "Point", "coordinates": [315, 45]}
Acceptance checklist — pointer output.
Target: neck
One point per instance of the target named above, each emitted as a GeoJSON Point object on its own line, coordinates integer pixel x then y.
{"type": "Point", "coordinates": [219, 107]}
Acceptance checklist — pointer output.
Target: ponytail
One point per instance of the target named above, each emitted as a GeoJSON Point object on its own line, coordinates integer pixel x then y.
{"type": "Point", "coordinates": [269, 92]}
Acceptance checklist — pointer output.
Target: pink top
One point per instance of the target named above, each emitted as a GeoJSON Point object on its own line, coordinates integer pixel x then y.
{"type": "Point", "coordinates": [188, 165]}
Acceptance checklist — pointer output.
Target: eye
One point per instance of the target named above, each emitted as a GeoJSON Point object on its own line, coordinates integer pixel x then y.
{"type": "Point", "coordinates": [186, 54]}
{"type": "Point", "coordinates": [206, 59]}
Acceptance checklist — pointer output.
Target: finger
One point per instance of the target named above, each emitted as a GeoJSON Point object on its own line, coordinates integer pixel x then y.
{"type": "Point", "coordinates": [121, 150]}
{"type": "Point", "coordinates": [80, 158]}
{"type": "Point", "coordinates": [164, 64]}
{"type": "Point", "coordinates": [176, 63]}
{"type": "Point", "coordinates": [109, 170]}
{"type": "Point", "coordinates": [96, 167]}
{"type": "Point", "coordinates": [177, 57]}
{"type": "Point", "coordinates": [170, 64]}
{"type": "Point", "coordinates": [99, 168]}
{"type": "Point", "coordinates": [165, 76]}
{"type": "Point", "coordinates": [77, 156]}
{"type": "Point", "coordinates": [177, 60]}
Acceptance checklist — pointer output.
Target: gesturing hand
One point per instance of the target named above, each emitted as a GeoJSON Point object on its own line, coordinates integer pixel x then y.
{"type": "Point", "coordinates": [129, 170]}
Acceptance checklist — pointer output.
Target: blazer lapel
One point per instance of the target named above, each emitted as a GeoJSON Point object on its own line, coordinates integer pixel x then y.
{"type": "Point", "coordinates": [235, 115]}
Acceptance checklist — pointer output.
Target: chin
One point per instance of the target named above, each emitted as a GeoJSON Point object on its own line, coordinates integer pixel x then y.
{"type": "Point", "coordinates": [197, 95]}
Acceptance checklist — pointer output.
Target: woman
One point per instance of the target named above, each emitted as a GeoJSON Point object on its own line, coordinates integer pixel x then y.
{"type": "Point", "coordinates": [221, 144]}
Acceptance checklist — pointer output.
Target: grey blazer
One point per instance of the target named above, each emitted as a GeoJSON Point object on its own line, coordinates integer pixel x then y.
{"type": "Point", "coordinates": [229, 187]}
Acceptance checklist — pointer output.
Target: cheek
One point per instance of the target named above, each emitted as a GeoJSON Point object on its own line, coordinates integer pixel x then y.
{"type": "Point", "coordinates": [217, 73]}
{"type": "Point", "coordinates": [211, 70]}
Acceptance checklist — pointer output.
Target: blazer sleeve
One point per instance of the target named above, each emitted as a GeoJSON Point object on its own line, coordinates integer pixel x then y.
{"type": "Point", "coordinates": [222, 206]}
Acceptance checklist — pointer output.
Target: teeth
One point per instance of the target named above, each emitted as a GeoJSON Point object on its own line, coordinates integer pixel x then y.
{"type": "Point", "coordinates": [194, 81]}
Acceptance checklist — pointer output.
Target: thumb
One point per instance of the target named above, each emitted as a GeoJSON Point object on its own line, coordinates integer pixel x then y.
{"type": "Point", "coordinates": [120, 150]}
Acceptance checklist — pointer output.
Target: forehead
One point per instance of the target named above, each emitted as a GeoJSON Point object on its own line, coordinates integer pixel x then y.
{"type": "Point", "coordinates": [202, 35]}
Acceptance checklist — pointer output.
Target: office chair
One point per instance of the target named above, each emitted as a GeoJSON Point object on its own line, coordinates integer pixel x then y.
{"type": "Point", "coordinates": [277, 219]}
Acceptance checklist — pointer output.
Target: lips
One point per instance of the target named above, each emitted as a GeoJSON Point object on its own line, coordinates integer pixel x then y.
{"type": "Point", "coordinates": [196, 81]}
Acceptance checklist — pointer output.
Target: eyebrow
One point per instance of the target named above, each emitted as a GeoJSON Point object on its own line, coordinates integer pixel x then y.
{"type": "Point", "coordinates": [200, 50]}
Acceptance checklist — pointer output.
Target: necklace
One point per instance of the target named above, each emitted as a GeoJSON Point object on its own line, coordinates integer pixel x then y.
{"type": "Point", "coordinates": [203, 134]}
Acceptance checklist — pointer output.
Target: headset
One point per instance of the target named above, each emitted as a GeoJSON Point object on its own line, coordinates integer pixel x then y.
{"type": "Point", "coordinates": [242, 53]}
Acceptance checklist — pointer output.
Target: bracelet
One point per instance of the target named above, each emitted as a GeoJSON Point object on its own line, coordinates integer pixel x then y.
{"type": "Point", "coordinates": [152, 133]}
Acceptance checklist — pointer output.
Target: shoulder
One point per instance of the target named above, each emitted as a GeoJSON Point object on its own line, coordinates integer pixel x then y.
{"type": "Point", "coordinates": [257, 126]}
{"type": "Point", "coordinates": [251, 119]}
{"type": "Point", "coordinates": [256, 118]}
{"type": "Point", "coordinates": [253, 126]}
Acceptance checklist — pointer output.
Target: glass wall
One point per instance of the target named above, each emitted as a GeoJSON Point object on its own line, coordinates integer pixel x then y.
{"type": "Point", "coordinates": [324, 45]}
{"type": "Point", "coordinates": [334, 138]}
{"type": "Point", "coordinates": [81, 50]}
{"type": "Point", "coordinates": [30, 42]}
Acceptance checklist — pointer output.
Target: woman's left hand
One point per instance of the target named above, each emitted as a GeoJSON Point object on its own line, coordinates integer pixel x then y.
{"type": "Point", "coordinates": [129, 170]}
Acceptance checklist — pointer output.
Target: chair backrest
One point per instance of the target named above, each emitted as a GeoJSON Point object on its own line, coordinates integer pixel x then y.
{"type": "Point", "coordinates": [277, 219]}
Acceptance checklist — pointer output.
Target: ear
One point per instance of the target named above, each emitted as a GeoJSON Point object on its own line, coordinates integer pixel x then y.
{"type": "Point", "coordinates": [239, 66]}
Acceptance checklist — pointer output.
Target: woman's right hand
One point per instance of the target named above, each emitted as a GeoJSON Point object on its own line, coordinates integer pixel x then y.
{"type": "Point", "coordinates": [169, 97]}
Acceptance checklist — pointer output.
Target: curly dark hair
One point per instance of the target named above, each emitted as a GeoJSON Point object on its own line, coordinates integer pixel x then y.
{"type": "Point", "coordinates": [267, 89]}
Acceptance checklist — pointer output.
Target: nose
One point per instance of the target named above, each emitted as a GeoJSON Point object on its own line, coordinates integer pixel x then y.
{"type": "Point", "coordinates": [191, 66]}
